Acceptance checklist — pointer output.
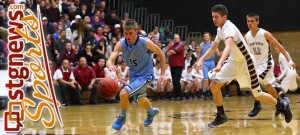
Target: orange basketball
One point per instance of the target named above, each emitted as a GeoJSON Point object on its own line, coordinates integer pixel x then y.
{"type": "Point", "coordinates": [108, 88]}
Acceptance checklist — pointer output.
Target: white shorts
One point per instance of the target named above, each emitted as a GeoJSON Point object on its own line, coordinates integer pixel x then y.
{"type": "Point", "coordinates": [289, 82]}
{"type": "Point", "coordinates": [269, 78]}
{"type": "Point", "coordinates": [235, 69]}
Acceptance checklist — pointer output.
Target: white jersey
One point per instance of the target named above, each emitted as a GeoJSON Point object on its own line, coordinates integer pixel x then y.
{"type": "Point", "coordinates": [124, 73]}
{"type": "Point", "coordinates": [168, 73]}
{"type": "Point", "coordinates": [259, 46]}
{"type": "Point", "coordinates": [187, 63]}
{"type": "Point", "coordinates": [157, 72]}
{"type": "Point", "coordinates": [230, 30]}
{"type": "Point", "coordinates": [111, 74]}
{"type": "Point", "coordinates": [187, 76]}
{"type": "Point", "coordinates": [288, 75]}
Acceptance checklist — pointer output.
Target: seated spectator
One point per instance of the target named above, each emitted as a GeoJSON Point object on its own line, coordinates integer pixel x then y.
{"type": "Point", "coordinates": [85, 77]}
{"type": "Point", "coordinates": [83, 11]}
{"type": "Point", "coordinates": [102, 17]}
{"type": "Point", "coordinates": [60, 44]}
{"type": "Point", "coordinates": [154, 35]}
{"type": "Point", "coordinates": [56, 33]}
{"type": "Point", "coordinates": [107, 33]}
{"type": "Point", "coordinates": [189, 82]}
{"type": "Point", "coordinates": [96, 23]}
{"type": "Point", "coordinates": [112, 75]}
{"type": "Point", "coordinates": [112, 20]}
{"type": "Point", "coordinates": [65, 77]}
{"type": "Point", "coordinates": [65, 6]}
{"type": "Point", "coordinates": [50, 47]}
{"type": "Point", "coordinates": [3, 19]}
{"type": "Point", "coordinates": [92, 8]}
{"type": "Point", "coordinates": [110, 47]}
{"type": "Point", "coordinates": [99, 34]}
{"type": "Point", "coordinates": [119, 60]}
{"type": "Point", "coordinates": [87, 54]}
{"type": "Point", "coordinates": [141, 32]}
{"type": "Point", "coordinates": [99, 50]}
{"type": "Point", "coordinates": [91, 38]}
{"type": "Point", "coordinates": [87, 20]}
{"type": "Point", "coordinates": [66, 22]}
{"type": "Point", "coordinates": [123, 74]}
{"type": "Point", "coordinates": [99, 69]}
{"type": "Point", "coordinates": [198, 73]}
{"type": "Point", "coordinates": [117, 30]}
{"type": "Point", "coordinates": [69, 55]}
{"type": "Point", "coordinates": [192, 45]}
{"type": "Point", "coordinates": [187, 61]}
{"type": "Point", "coordinates": [47, 26]}
{"type": "Point", "coordinates": [54, 13]}
{"type": "Point", "coordinates": [72, 13]}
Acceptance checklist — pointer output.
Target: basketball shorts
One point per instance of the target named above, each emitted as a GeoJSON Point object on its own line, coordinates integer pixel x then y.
{"type": "Point", "coordinates": [235, 69]}
{"type": "Point", "coordinates": [269, 78]}
{"type": "Point", "coordinates": [138, 85]}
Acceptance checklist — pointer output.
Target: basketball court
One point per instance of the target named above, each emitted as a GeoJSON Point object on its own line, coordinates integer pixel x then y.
{"type": "Point", "coordinates": [188, 117]}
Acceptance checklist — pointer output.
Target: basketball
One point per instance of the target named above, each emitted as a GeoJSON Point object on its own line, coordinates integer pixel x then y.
{"type": "Point", "coordinates": [108, 88]}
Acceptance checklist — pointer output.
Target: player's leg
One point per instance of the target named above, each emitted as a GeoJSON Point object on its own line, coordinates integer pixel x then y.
{"type": "Point", "coordinates": [196, 88]}
{"type": "Point", "coordinates": [205, 81]}
{"type": "Point", "coordinates": [226, 75]}
{"type": "Point", "coordinates": [124, 103]}
{"type": "Point", "coordinates": [256, 90]}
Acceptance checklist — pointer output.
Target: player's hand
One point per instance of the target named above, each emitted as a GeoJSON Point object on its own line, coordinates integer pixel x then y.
{"type": "Point", "coordinates": [293, 64]}
{"type": "Point", "coordinates": [112, 68]}
{"type": "Point", "coordinates": [199, 64]}
{"type": "Point", "coordinates": [163, 79]}
{"type": "Point", "coordinates": [218, 68]}
{"type": "Point", "coordinates": [278, 79]}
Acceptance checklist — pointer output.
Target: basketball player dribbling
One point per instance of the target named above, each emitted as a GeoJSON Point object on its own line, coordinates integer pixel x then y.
{"type": "Point", "coordinates": [240, 65]}
{"type": "Point", "coordinates": [136, 52]}
{"type": "Point", "coordinates": [258, 41]}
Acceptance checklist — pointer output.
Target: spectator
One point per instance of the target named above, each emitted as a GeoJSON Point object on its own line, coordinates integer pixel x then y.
{"type": "Point", "coordinates": [99, 69]}
{"type": "Point", "coordinates": [50, 47]}
{"type": "Point", "coordinates": [92, 8]}
{"type": "Point", "coordinates": [65, 6]}
{"type": "Point", "coordinates": [192, 45]}
{"type": "Point", "coordinates": [123, 74]}
{"type": "Point", "coordinates": [85, 77]}
{"type": "Point", "coordinates": [60, 44]}
{"type": "Point", "coordinates": [125, 17]}
{"type": "Point", "coordinates": [3, 19]}
{"type": "Point", "coordinates": [69, 55]}
{"type": "Point", "coordinates": [103, 7]}
{"type": "Point", "coordinates": [57, 33]}
{"type": "Point", "coordinates": [119, 36]}
{"type": "Point", "coordinates": [119, 60]}
{"type": "Point", "coordinates": [99, 50]}
{"type": "Point", "coordinates": [77, 4]}
{"type": "Point", "coordinates": [72, 13]}
{"type": "Point", "coordinates": [167, 34]}
{"type": "Point", "coordinates": [43, 8]}
{"type": "Point", "coordinates": [91, 38]}
{"type": "Point", "coordinates": [198, 73]}
{"type": "Point", "coordinates": [141, 32]}
{"type": "Point", "coordinates": [67, 82]}
{"type": "Point", "coordinates": [47, 26]}
{"type": "Point", "coordinates": [197, 53]}
{"type": "Point", "coordinates": [102, 17]}
{"type": "Point", "coordinates": [83, 11]}
{"type": "Point", "coordinates": [87, 20]}
{"type": "Point", "coordinates": [176, 61]}
{"type": "Point", "coordinates": [117, 30]}
{"type": "Point", "coordinates": [99, 34]}
{"type": "Point", "coordinates": [189, 81]}
{"type": "Point", "coordinates": [96, 23]}
{"type": "Point", "coordinates": [187, 61]}
{"type": "Point", "coordinates": [154, 35]}
{"type": "Point", "coordinates": [87, 54]}
{"type": "Point", "coordinates": [66, 22]}
{"type": "Point", "coordinates": [107, 33]}
{"type": "Point", "coordinates": [110, 47]}
{"type": "Point", "coordinates": [158, 83]}
{"type": "Point", "coordinates": [112, 20]}
{"type": "Point", "coordinates": [71, 32]}
{"type": "Point", "coordinates": [97, 13]}
{"type": "Point", "coordinates": [113, 75]}
{"type": "Point", "coordinates": [82, 33]}
{"type": "Point", "coordinates": [54, 13]}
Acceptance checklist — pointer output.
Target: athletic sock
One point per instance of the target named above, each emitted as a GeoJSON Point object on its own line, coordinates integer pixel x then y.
{"type": "Point", "coordinates": [123, 112]}
{"type": "Point", "coordinates": [257, 103]}
{"type": "Point", "coordinates": [220, 109]}
{"type": "Point", "coordinates": [279, 104]}
{"type": "Point", "coordinates": [150, 109]}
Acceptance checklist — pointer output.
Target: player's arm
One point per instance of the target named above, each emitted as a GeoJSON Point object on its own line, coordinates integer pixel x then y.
{"type": "Point", "coordinates": [155, 49]}
{"type": "Point", "coordinates": [113, 56]}
{"type": "Point", "coordinates": [275, 43]}
{"type": "Point", "coordinates": [228, 43]}
{"type": "Point", "coordinates": [119, 73]}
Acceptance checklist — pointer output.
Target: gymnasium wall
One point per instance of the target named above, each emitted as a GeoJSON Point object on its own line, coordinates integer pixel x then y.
{"type": "Point", "coordinates": [275, 14]}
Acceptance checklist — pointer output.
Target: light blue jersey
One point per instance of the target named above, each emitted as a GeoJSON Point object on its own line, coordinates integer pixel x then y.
{"type": "Point", "coordinates": [138, 58]}
{"type": "Point", "coordinates": [205, 47]}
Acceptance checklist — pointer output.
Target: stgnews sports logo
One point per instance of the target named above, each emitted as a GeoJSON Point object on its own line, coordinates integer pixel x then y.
{"type": "Point", "coordinates": [25, 27]}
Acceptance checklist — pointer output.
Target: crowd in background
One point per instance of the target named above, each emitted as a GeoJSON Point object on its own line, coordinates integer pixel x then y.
{"type": "Point", "coordinates": [80, 36]}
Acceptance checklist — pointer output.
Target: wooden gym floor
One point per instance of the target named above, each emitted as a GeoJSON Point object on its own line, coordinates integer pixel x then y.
{"type": "Point", "coordinates": [188, 117]}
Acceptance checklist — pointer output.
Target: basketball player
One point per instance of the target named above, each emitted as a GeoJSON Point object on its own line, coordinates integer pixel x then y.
{"type": "Point", "coordinates": [136, 52]}
{"type": "Point", "coordinates": [288, 76]}
{"type": "Point", "coordinates": [240, 65]}
{"type": "Point", "coordinates": [157, 85]}
{"type": "Point", "coordinates": [189, 81]}
{"type": "Point", "coordinates": [258, 41]}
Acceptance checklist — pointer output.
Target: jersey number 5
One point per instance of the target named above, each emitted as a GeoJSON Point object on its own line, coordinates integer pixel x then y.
{"type": "Point", "coordinates": [256, 50]}
{"type": "Point", "coordinates": [133, 62]}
